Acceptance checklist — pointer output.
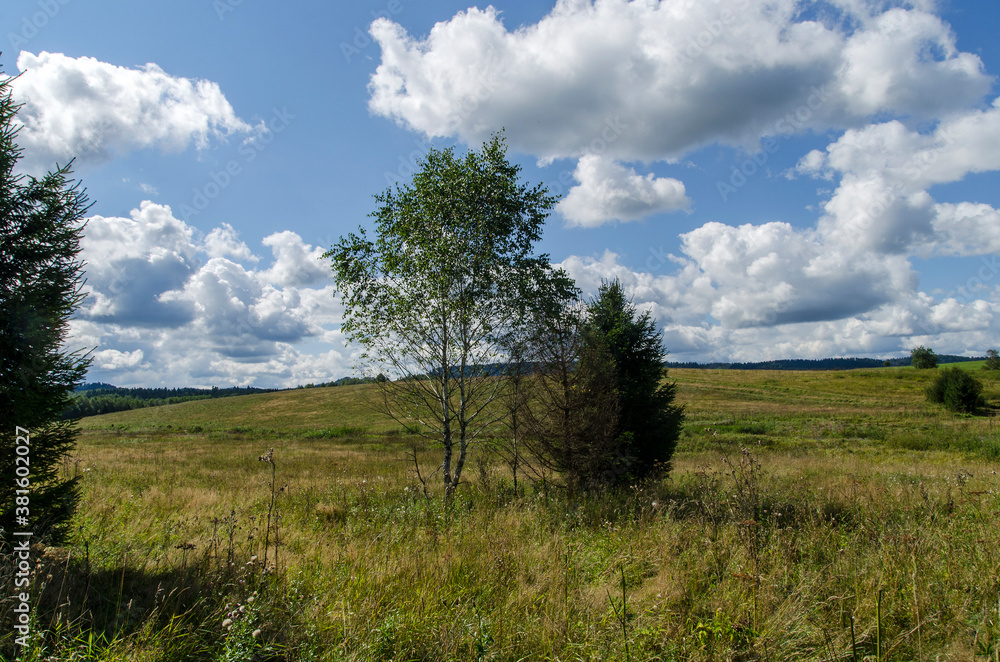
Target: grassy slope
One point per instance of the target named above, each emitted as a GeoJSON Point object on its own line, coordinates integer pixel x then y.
{"type": "Point", "coordinates": [795, 408]}
{"type": "Point", "coordinates": [297, 410]}
{"type": "Point", "coordinates": [856, 484]}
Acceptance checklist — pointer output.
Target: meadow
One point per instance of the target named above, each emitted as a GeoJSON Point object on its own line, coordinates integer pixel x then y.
{"type": "Point", "coordinates": [807, 516]}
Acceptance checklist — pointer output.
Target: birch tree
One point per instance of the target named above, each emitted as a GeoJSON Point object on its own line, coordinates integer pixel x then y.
{"type": "Point", "coordinates": [434, 298]}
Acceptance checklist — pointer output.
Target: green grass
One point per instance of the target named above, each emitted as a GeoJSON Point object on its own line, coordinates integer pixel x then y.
{"type": "Point", "coordinates": [965, 365]}
{"type": "Point", "coordinates": [795, 500]}
{"type": "Point", "coordinates": [285, 411]}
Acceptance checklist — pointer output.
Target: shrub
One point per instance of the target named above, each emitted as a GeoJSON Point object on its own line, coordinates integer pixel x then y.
{"type": "Point", "coordinates": [957, 390]}
{"type": "Point", "coordinates": [992, 360]}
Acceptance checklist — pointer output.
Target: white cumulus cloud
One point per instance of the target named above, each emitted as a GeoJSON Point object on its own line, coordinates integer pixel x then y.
{"type": "Point", "coordinates": [738, 297]}
{"type": "Point", "coordinates": [91, 110]}
{"type": "Point", "coordinates": [167, 305]}
{"type": "Point", "coordinates": [608, 191]}
{"type": "Point", "coordinates": [112, 359]}
{"type": "Point", "coordinates": [678, 75]}
{"type": "Point", "coordinates": [887, 172]}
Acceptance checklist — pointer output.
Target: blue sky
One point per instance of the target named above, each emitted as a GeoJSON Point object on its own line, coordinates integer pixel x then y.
{"type": "Point", "coordinates": [770, 179]}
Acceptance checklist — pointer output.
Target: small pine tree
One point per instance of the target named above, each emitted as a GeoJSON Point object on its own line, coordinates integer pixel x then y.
{"type": "Point", "coordinates": [923, 358]}
{"type": "Point", "coordinates": [957, 390]}
{"type": "Point", "coordinates": [40, 287]}
{"type": "Point", "coordinates": [649, 422]}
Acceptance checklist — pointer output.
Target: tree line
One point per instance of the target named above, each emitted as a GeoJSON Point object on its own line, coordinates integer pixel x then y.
{"type": "Point", "coordinates": [847, 363]}
{"type": "Point", "coordinates": [93, 399]}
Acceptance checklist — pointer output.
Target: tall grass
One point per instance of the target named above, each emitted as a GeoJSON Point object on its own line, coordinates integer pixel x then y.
{"type": "Point", "coordinates": [809, 531]}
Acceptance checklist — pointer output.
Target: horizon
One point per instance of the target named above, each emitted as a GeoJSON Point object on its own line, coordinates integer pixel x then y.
{"type": "Point", "coordinates": [943, 359]}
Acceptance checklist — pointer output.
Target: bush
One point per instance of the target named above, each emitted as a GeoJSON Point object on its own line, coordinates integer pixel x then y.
{"type": "Point", "coordinates": [992, 360]}
{"type": "Point", "coordinates": [957, 390]}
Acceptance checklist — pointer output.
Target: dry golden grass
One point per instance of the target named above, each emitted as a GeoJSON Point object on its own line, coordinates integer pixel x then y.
{"type": "Point", "coordinates": [860, 489]}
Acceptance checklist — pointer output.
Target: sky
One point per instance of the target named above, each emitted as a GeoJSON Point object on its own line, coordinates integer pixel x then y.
{"type": "Point", "coordinates": [768, 178]}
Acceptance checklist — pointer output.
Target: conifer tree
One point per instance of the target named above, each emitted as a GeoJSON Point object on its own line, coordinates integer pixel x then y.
{"type": "Point", "coordinates": [649, 423]}
{"type": "Point", "coordinates": [40, 287]}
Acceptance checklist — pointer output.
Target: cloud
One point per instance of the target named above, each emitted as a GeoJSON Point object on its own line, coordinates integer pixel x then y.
{"type": "Point", "coordinates": [112, 359]}
{"type": "Point", "coordinates": [747, 292]}
{"type": "Point", "coordinates": [295, 263]}
{"type": "Point", "coordinates": [90, 110]}
{"type": "Point", "coordinates": [967, 228]}
{"type": "Point", "coordinates": [224, 241]}
{"type": "Point", "coordinates": [608, 191]}
{"type": "Point", "coordinates": [131, 263]}
{"type": "Point", "coordinates": [758, 276]}
{"type": "Point", "coordinates": [964, 142]}
{"type": "Point", "coordinates": [615, 82]}
{"type": "Point", "coordinates": [886, 173]}
{"type": "Point", "coordinates": [167, 305]}
{"type": "Point", "coordinates": [677, 76]}
{"type": "Point", "coordinates": [717, 306]}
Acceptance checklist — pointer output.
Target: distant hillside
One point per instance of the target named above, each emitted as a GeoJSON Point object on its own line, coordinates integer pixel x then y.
{"type": "Point", "coordinates": [97, 398]}
{"type": "Point", "coordinates": [318, 410]}
{"type": "Point", "coordinates": [817, 364]}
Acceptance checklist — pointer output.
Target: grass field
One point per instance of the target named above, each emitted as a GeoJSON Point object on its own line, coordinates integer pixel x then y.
{"type": "Point", "coordinates": [808, 516]}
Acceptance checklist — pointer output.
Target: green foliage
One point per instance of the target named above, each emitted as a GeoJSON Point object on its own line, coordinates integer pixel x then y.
{"type": "Point", "coordinates": [992, 360]}
{"type": "Point", "coordinates": [571, 413]}
{"type": "Point", "coordinates": [40, 287]}
{"type": "Point", "coordinates": [923, 358]}
{"type": "Point", "coordinates": [957, 390]}
{"type": "Point", "coordinates": [451, 274]}
{"type": "Point", "coordinates": [648, 419]}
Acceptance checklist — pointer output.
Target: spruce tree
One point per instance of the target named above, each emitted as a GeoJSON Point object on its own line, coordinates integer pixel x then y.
{"type": "Point", "coordinates": [40, 287]}
{"type": "Point", "coordinates": [649, 422]}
